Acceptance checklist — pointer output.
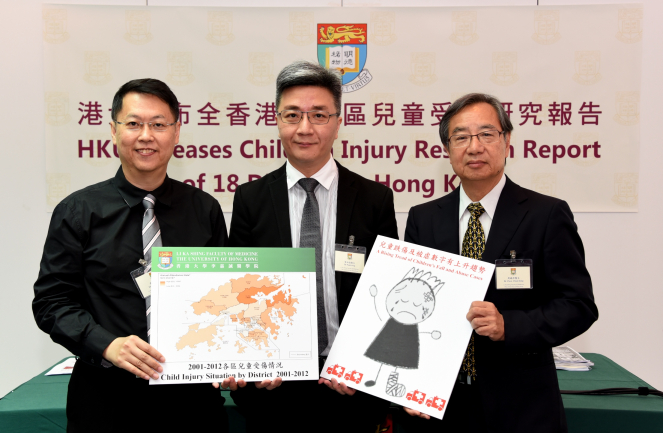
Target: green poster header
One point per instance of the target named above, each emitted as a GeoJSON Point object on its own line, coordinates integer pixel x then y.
{"type": "Point", "coordinates": [187, 259]}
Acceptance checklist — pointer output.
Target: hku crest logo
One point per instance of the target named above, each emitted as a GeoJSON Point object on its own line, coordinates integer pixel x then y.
{"type": "Point", "coordinates": [343, 47]}
{"type": "Point", "coordinates": [165, 260]}
{"type": "Point", "coordinates": [138, 27]}
{"type": "Point", "coordinates": [626, 189]}
{"type": "Point", "coordinates": [513, 271]}
{"type": "Point", "coordinates": [546, 27]}
{"type": "Point", "coordinates": [57, 108]}
{"type": "Point", "coordinates": [630, 25]}
{"type": "Point", "coordinates": [55, 25]}
{"type": "Point", "coordinates": [349, 256]}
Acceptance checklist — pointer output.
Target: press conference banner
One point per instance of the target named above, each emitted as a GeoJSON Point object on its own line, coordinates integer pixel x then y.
{"type": "Point", "coordinates": [568, 76]}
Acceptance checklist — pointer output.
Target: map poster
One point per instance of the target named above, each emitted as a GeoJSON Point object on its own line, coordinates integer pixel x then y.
{"type": "Point", "coordinates": [243, 312]}
{"type": "Point", "coordinates": [404, 335]}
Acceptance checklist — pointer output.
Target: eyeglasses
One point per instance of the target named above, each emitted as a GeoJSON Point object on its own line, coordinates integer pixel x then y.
{"type": "Point", "coordinates": [154, 126]}
{"type": "Point", "coordinates": [485, 137]}
{"type": "Point", "coordinates": [315, 117]}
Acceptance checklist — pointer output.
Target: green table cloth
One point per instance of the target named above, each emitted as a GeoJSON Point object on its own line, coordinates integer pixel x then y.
{"type": "Point", "coordinates": [39, 404]}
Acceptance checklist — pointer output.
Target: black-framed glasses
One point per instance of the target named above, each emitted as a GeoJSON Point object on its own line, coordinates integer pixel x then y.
{"type": "Point", "coordinates": [491, 136]}
{"type": "Point", "coordinates": [316, 117]}
{"type": "Point", "coordinates": [154, 126]}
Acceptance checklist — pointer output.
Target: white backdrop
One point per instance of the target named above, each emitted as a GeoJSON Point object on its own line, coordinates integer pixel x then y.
{"type": "Point", "coordinates": [618, 245]}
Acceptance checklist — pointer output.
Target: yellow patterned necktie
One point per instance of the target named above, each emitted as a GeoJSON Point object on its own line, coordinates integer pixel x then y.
{"type": "Point", "coordinates": [474, 243]}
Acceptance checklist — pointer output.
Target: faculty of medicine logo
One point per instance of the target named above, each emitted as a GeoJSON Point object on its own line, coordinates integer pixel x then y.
{"type": "Point", "coordinates": [343, 46]}
{"type": "Point", "coordinates": [165, 259]}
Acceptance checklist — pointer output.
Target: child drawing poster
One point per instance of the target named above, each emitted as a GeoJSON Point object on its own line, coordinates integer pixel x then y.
{"type": "Point", "coordinates": [404, 334]}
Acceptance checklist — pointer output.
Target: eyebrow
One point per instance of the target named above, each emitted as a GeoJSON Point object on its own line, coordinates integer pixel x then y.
{"type": "Point", "coordinates": [135, 116]}
{"type": "Point", "coordinates": [465, 129]}
{"type": "Point", "coordinates": [315, 107]}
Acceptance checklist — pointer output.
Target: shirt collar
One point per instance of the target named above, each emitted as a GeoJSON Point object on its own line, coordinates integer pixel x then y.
{"type": "Point", "coordinates": [133, 195]}
{"type": "Point", "coordinates": [489, 202]}
{"type": "Point", "coordinates": [325, 175]}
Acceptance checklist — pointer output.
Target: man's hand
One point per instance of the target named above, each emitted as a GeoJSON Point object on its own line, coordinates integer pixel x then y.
{"type": "Point", "coordinates": [337, 386]}
{"type": "Point", "coordinates": [413, 412]}
{"type": "Point", "coordinates": [136, 356]}
{"type": "Point", "coordinates": [486, 320]}
{"type": "Point", "coordinates": [230, 383]}
{"type": "Point", "coordinates": [269, 384]}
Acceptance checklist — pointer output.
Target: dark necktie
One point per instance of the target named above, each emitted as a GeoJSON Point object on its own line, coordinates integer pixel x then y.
{"type": "Point", "coordinates": [151, 238]}
{"type": "Point", "coordinates": [311, 237]}
{"type": "Point", "coordinates": [474, 243]}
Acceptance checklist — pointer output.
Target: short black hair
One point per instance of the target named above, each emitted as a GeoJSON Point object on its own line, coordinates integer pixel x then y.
{"type": "Point", "coordinates": [303, 73]}
{"type": "Point", "coordinates": [466, 101]}
{"type": "Point", "coordinates": [148, 86]}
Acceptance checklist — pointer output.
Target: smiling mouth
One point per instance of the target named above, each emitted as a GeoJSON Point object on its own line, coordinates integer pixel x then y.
{"type": "Point", "coordinates": [146, 151]}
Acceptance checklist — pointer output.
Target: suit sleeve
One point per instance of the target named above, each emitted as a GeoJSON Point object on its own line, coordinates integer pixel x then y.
{"type": "Point", "coordinates": [219, 230]}
{"type": "Point", "coordinates": [387, 219]}
{"type": "Point", "coordinates": [411, 229]}
{"type": "Point", "coordinates": [570, 309]}
{"type": "Point", "coordinates": [240, 224]}
{"type": "Point", "coordinates": [58, 305]}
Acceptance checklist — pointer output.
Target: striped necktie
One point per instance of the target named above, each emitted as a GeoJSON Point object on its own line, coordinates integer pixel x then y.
{"type": "Point", "coordinates": [311, 237]}
{"type": "Point", "coordinates": [474, 242]}
{"type": "Point", "coordinates": [151, 238]}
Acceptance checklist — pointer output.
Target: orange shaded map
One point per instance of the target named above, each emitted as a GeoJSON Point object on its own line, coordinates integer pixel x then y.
{"type": "Point", "coordinates": [255, 307]}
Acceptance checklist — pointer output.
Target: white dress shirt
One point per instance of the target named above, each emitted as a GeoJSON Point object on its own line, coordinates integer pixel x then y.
{"type": "Point", "coordinates": [489, 203]}
{"type": "Point", "coordinates": [326, 193]}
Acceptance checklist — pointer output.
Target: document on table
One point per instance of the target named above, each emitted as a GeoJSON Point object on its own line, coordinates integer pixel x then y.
{"type": "Point", "coordinates": [243, 312]}
{"type": "Point", "coordinates": [65, 367]}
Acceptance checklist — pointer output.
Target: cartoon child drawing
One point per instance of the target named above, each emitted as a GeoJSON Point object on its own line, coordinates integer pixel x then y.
{"type": "Point", "coordinates": [409, 303]}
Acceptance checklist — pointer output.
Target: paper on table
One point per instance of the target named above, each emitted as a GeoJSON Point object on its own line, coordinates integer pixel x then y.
{"type": "Point", "coordinates": [404, 334]}
{"type": "Point", "coordinates": [65, 367]}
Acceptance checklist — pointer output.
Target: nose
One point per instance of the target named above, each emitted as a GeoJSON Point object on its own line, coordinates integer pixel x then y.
{"type": "Point", "coordinates": [304, 126]}
{"type": "Point", "coordinates": [475, 145]}
{"type": "Point", "coordinates": [145, 132]}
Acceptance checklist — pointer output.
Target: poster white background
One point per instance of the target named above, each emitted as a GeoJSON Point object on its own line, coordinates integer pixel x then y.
{"type": "Point", "coordinates": [630, 327]}
{"type": "Point", "coordinates": [438, 358]}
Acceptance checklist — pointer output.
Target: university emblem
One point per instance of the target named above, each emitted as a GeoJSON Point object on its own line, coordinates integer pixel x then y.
{"type": "Point", "coordinates": [628, 108]}
{"type": "Point", "coordinates": [58, 186]}
{"type": "Point", "coordinates": [513, 271]}
{"type": "Point", "coordinates": [545, 183]}
{"type": "Point", "coordinates": [582, 139]}
{"type": "Point", "coordinates": [343, 47]}
{"type": "Point", "coordinates": [165, 260]}
{"type": "Point", "coordinates": [57, 108]}
{"type": "Point", "coordinates": [383, 28]}
{"type": "Point", "coordinates": [546, 27]}
{"type": "Point", "coordinates": [302, 28]}
{"type": "Point", "coordinates": [55, 25]}
{"type": "Point", "coordinates": [504, 68]}
{"type": "Point", "coordinates": [630, 25]}
{"type": "Point", "coordinates": [180, 67]}
{"type": "Point", "coordinates": [422, 68]}
{"type": "Point", "coordinates": [587, 65]}
{"type": "Point", "coordinates": [349, 256]}
{"type": "Point", "coordinates": [464, 28]}
{"type": "Point", "coordinates": [261, 69]}
{"type": "Point", "coordinates": [220, 27]}
{"type": "Point", "coordinates": [138, 27]}
{"type": "Point", "coordinates": [97, 67]}
{"type": "Point", "coordinates": [626, 189]}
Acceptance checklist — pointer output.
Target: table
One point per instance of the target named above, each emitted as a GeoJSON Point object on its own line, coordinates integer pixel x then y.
{"type": "Point", "coordinates": [39, 404]}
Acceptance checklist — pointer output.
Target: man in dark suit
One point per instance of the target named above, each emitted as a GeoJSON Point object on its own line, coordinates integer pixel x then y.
{"type": "Point", "coordinates": [507, 382]}
{"type": "Point", "coordinates": [269, 213]}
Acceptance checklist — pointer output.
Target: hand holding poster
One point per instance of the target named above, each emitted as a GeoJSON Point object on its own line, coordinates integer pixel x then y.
{"type": "Point", "coordinates": [404, 335]}
{"type": "Point", "coordinates": [243, 312]}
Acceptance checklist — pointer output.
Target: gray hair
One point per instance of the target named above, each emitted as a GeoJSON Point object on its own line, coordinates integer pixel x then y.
{"type": "Point", "coordinates": [466, 101]}
{"type": "Point", "coordinates": [303, 73]}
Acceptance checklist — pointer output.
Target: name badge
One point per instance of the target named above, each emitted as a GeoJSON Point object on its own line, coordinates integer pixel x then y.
{"type": "Point", "coordinates": [349, 258]}
{"type": "Point", "coordinates": [142, 279]}
{"type": "Point", "coordinates": [514, 274]}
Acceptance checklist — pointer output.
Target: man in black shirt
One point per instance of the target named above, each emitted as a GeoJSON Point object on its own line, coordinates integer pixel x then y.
{"type": "Point", "coordinates": [85, 297]}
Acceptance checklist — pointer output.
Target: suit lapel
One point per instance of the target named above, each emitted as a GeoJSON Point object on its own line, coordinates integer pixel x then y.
{"type": "Point", "coordinates": [446, 223]}
{"type": "Point", "coordinates": [345, 203]}
{"type": "Point", "coordinates": [508, 216]}
{"type": "Point", "coordinates": [279, 191]}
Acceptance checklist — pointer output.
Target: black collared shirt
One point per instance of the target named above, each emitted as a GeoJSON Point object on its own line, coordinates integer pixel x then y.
{"type": "Point", "coordinates": [85, 296]}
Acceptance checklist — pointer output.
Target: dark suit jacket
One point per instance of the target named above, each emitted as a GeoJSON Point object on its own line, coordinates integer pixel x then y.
{"type": "Point", "coordinates": [365, 209]}
{"type": "Point", "coordinates": [261, 218]}
{"type": "Point", "coordinates": [517, 377]}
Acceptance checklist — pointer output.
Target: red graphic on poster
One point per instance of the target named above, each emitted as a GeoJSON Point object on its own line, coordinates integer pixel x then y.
{"type": "Point", "coordinates": [355, 376]}
{"type": "Point", "coordinates": [436, 403]}
{"type": "Point", "coordinates": [416, 396]}
{"type": "Point", "coordinates": [336, 370]}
